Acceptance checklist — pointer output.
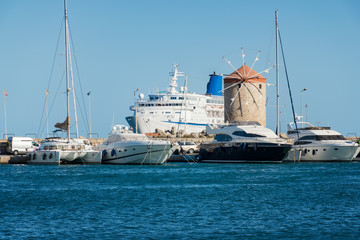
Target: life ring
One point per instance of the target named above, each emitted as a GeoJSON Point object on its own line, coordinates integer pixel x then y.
{"type": "Point", "coordinates": [44, 156]}
{"type": "Point", "coordinates": [113, 152]}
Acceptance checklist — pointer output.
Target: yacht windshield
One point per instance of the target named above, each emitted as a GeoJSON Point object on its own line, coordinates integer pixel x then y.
{"type": "Point", "coordinates": [323, 137]}
{"type": "Point", "coordinates": [245, 134]}
{"type": "Point", "coordinates": [331, 137]}
{"type": "Point", "coordinates": [223, 138]}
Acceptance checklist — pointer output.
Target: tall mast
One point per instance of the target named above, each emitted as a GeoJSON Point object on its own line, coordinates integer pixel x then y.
{"type": "Point", "coordinates": [67, 74]}
{"type": "Point", "coordinates": [277, 74]}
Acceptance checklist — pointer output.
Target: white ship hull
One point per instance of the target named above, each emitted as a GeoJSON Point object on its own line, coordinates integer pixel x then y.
{"type": "Point", "coordinates": [148, 125]}
{"type": "Point", "coordinates": [141, 153]}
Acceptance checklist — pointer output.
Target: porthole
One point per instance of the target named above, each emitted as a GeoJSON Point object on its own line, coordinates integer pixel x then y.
{"type": "Point", "coordinates": [336, 149]}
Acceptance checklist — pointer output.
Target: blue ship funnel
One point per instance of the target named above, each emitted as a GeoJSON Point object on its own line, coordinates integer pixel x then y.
{"type": "Point", "coordinates": [214, 86]}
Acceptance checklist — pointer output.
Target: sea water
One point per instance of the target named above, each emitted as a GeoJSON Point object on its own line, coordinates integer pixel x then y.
{"type": "Point", "coordinates": [181, 201]}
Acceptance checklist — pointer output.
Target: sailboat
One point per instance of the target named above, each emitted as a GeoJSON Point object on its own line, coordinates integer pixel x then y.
{"type": "Point", "coordinates": [65, 150]}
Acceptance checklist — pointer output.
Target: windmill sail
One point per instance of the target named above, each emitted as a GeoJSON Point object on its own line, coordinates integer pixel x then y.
{"type": "Point", "coordinates": [245, 95]}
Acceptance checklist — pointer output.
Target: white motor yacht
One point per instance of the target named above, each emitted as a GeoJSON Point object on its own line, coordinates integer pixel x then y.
{"type": "Point", "coordinates": [243, 142]}
{"type": "Point", "coordinates": [125, 147]}
{"type": "Point", "coordinates": [320, 144]}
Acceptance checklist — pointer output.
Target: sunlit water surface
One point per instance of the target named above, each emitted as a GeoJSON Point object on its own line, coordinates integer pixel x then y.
{"type": "Point", "coordinates": [181, 201]}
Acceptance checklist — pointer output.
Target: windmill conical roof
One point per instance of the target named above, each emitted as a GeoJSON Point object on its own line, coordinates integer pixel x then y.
{"type": "Point", "coordinates": [245, 73]}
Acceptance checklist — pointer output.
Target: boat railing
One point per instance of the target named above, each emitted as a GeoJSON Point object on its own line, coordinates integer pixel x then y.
{"type": "Point", "coordinates": [303, 126]}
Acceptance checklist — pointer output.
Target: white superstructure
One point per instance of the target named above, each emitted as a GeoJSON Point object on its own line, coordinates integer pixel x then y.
{"type": "Point", "coordinates": [320, 144]}
{"type": "Point", "coordinates": [177, 108]}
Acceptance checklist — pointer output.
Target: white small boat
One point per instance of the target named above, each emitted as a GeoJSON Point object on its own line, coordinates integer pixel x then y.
{"type": "Point", "coordinates": [125, 147]}
{"type": "Point", "coordinates": [61, 151]}
{"type": "Point", "coordinates": [320, 144]}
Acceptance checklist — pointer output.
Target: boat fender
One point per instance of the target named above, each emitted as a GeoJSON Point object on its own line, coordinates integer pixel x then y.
{"type": "Point", "coordinates": [314, 152]}
{"type": "Point", "coordinates": [113, 152]}
{"type": "Point", "coordinates": [244, 146]}
{"type": "Point", "coordinates": [104, 153]}
{"type": "Point", "coordinates": [50, 156]}
{"type": "Point", "coordinates": [34, 156]}
{"type": "Point", "coordinates": [219, 149]}
{"type": "Point", "coordinates": [44, 156]}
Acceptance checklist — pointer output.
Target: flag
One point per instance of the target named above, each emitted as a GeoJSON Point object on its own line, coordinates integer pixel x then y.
{"type": "Point", "coordinates": [88, 93]}
{"type": "Point", "coordinates": [65, 125]}
{"type": "Point", "coordinates": [5, 93]}
{"type": "Point", "coordinates": [47, 92]}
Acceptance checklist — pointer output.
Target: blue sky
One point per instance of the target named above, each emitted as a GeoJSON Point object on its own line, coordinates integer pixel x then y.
{"type": "Point", "coordinates": [124, 45]}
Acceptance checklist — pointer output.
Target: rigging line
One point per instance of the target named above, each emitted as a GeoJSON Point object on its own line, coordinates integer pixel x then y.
{"type": "Point", "coordinates": [268, 62]}
{"type": "Point", "coordinates": [42, 115]}
{"type": "Point", "coordinates": [85, 120]}
{"type": "Point", "coordinates": [73, 88]}
{"type": "Point", "coordinates": [52, 71]}
{"type": "Point", "coordinates": [52, 104]}
{"type": "Point", "coordinates": [287, 78]}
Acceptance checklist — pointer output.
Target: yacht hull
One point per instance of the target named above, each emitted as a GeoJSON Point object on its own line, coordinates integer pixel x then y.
{"type": "Point", "coordinates": [243, 152]}
{"type": "Point", "coordinates": [321, 153]}
{"type": "Point", "coordinates": [137, 153]}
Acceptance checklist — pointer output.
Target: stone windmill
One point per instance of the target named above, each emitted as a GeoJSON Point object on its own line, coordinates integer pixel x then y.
{"type": "Point", "coordinates": [245, 94]}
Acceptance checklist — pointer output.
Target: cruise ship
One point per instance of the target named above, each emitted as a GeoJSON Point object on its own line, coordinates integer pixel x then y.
{"type": "Point", "coordinates": [179, 108]}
